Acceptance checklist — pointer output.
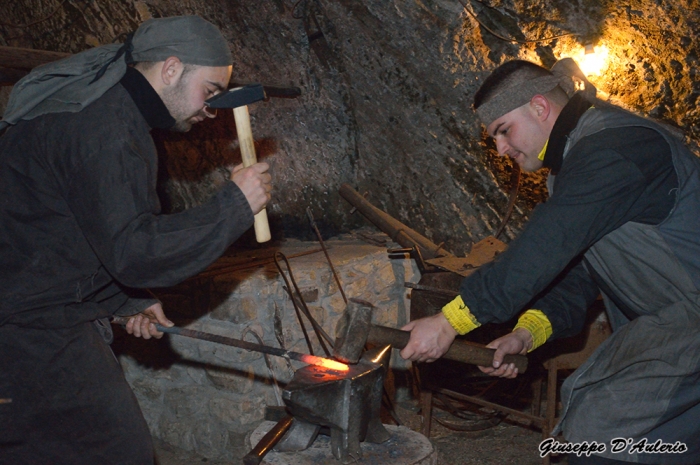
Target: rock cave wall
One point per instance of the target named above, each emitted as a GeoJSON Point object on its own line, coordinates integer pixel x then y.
{"type": "Point", "coordinates": [386, 94]}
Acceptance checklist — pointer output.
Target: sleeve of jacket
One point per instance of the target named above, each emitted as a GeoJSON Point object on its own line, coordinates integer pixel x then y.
{"type": "Point", "coordinates": [137, 301]}
{"type": "Point", "coordinates": [112, 195]}
{"type": "Point", "coordinates": [597, 191]}
{"type": "Point", "coordinates": [567, 299]}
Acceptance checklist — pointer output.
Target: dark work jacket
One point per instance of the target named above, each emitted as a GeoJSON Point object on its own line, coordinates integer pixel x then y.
{"type": "Point", "coordinates": [80, 221]}
{"type": "Point", "coordinates": [620, 175]}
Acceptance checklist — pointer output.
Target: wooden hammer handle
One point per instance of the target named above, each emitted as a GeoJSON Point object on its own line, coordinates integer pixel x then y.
{"type": "Point", "coordinates": [460, 351]}
{"type": "Point", "coordinates": [245, 141]}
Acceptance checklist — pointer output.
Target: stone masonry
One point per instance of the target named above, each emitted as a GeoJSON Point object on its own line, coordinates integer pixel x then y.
{"type": "Point", "coordinates": [206, 397]}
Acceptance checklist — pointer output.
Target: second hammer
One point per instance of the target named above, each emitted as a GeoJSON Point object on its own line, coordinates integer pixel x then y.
{"type": "Point", "coordinates": [355, 329]}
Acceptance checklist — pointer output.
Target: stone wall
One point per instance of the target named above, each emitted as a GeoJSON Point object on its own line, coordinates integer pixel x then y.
{"type": "Point", "coordinates": [206, 397]}
{"type": "Point", "coordinates": [386, 94]}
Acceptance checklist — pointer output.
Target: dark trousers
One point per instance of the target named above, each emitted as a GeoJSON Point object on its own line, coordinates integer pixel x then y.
{"type": "Point", "coordinates": [70, 401]}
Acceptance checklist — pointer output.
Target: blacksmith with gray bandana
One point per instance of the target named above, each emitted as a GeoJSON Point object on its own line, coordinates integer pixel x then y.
{"type": "Point", "coordinates": [622, 221]}
{"type": "Point", "coordinates": [82, 235]}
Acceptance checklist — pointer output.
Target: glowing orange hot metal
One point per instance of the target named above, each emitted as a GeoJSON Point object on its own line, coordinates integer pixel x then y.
{"type": "Point", "coordinates": [324, 362]}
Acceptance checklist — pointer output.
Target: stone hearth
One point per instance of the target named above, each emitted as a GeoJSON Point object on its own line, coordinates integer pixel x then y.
{"type": "Point", "coordinates": [206, 397]}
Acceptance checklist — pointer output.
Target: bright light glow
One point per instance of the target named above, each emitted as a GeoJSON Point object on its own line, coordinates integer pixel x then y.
{"type": "Point", "coordinates": [592, 64]}
{"type": "Point", "coordinates": [324, 362]}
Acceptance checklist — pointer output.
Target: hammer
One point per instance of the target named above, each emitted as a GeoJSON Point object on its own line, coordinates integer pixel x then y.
{"type": "Point", "coordinates": [239, 99]}
{"type": "Point", "coordinates": [355, 329]}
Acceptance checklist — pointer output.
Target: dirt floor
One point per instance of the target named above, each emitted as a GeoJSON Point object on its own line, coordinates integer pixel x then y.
{"type": "Point", "coordinates": [507, 443]}
{"type": "Point", "coordinates": [463, 433]}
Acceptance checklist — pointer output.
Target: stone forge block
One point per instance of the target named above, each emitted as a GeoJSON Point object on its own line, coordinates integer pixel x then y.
{"type": "Point", "coordinates": [236, 303]}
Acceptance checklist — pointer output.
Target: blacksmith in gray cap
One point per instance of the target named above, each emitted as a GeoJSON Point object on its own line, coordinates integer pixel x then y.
{"type": "Point", "coordinates": [82, 236]}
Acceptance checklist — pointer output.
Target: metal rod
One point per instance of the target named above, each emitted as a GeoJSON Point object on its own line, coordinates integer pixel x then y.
{"type": "Point", "coordinates": [318, 330]}
{"type": "Point", "coordinates": [306, 358]}
{"type": "Point", "coordinates": [294, 304]}
{"type": "Point", "coordinates": [391, 226]}
{"type": "Point", "coordinates": [222, 267]}
{"type": "Point", "coordinates": [539, 421]}
{"type": "Point", "coordinates": [323, 246]}
{"type": "Point", "coordinates": [272, 437]}
{"type": "Point", "coordinates": [435, 290]}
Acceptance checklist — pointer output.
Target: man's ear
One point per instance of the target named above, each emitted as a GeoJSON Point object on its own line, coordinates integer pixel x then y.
{"type": "Point", "coordinates": [540, 107]}
{"type": "Point", "coordinates": [171, 71]}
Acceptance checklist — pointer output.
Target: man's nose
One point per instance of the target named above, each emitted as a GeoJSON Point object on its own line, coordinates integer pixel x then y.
{"type": "Point", "coordinates": [502, 146]}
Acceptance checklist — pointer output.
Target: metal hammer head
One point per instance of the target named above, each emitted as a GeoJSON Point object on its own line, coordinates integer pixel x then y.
{"type": "Point", "coordinates": [352, 330]}
{"type": "Point", "coordinates": [237, 97]}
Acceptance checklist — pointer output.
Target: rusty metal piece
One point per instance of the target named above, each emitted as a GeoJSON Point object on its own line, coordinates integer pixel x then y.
{"type": "Point", "coordinates": [354, 330]}
{"type": "Point", "coordinates": [348, 403]}
{"type": "Point", "coordinates": [255, 456]}
{"type": "Point", "coordinates": [434, 290]}
{"type": "Point", "coordinates": [482, 252]}
{"type": "Point", "coordinates": [279, 335]}
{"type": "Point", "coordinates": [402, 250]}
{"type": "Point", "coordinates": [223, 266]}
{"type": "Point", "coordinates": [328, 258]}
{"type": "Point", "coordinates": [300, 437]}
{"type": "Point", "coordinates": [300, 304]}
{"type": "Point", "coordinates": [429, 303]}
{"type": "Point", "coordinates": [396, 230]}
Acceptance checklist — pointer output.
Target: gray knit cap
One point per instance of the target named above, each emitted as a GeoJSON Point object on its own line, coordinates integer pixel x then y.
{"type": "Point", "coordinates": [69, 85]}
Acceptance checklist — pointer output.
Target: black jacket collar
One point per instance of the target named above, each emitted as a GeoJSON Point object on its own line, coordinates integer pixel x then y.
{"type": "Point", "coordinates": [147, 100]}
{"type": "Point", "coordinates": [566, 122]}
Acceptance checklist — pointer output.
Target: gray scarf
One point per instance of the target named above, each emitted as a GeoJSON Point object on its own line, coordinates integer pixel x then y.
{"type": "Point", "coordinates": [71, 84]}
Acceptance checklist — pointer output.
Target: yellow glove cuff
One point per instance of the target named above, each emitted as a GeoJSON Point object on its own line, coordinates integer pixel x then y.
{"type": "Point", "coordinates": [459, 316]}
{"type": "Point", "coordinates": [538, 324]}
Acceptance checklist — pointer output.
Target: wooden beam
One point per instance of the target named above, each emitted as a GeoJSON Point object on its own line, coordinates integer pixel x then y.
{"type": "Point", "coordinates": [9, 76]}
{"type": "Point", "coordinates": [27, 58]}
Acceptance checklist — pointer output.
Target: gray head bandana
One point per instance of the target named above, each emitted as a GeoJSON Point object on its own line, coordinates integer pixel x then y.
{"type": "Point", "coordinates": [565, 74]}
{"type": "Point", "coordinates": [69, 85]}
{"type": "Point", "coordinates": [514, 96]}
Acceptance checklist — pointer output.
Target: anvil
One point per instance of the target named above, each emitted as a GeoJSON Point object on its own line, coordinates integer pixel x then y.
{"type": "Point", "coordinates": [347, 402]}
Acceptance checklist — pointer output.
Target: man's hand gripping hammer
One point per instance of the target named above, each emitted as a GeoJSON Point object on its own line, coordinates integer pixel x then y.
{"type": "Point", "coordinates": [239, 99]}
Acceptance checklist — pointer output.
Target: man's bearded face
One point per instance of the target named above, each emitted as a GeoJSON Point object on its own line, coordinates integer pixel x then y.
{"type": "Point", "coordinates": [185, 100]}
